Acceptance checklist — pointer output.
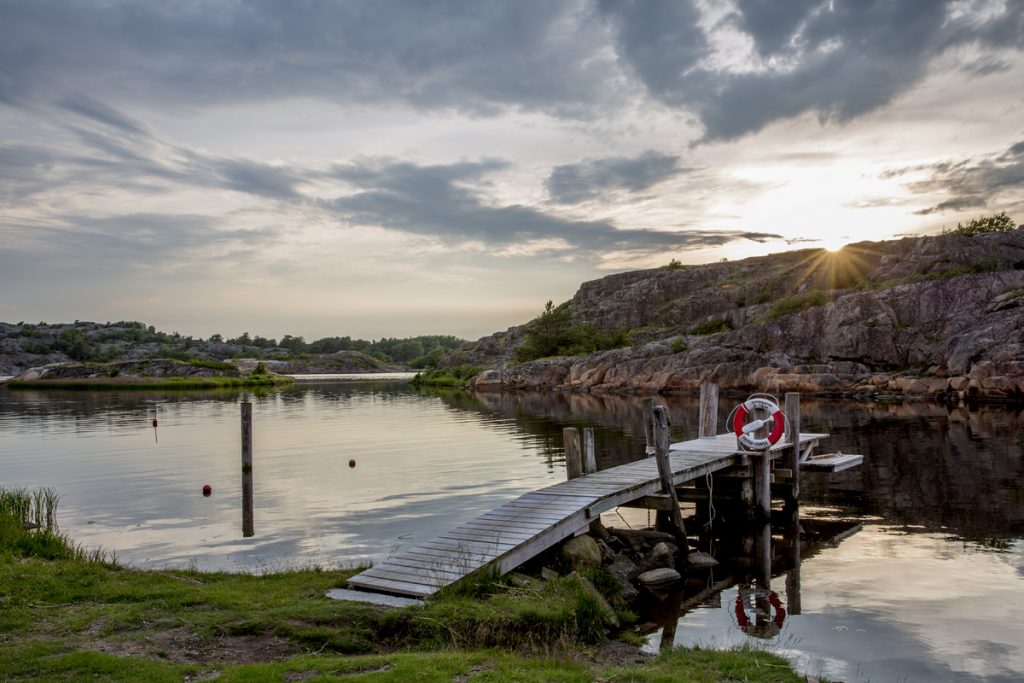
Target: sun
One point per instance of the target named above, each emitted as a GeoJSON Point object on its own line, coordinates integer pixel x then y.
{"type": "Point", "coordinates": [833, 244]}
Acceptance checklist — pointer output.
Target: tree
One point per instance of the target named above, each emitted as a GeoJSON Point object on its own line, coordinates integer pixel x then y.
{"type": "Point", "coordinates": [75, 344]}
{"type": "Point", "coordinates": [997, 222]}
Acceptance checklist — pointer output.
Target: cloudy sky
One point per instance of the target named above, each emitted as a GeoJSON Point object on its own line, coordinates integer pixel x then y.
{"type": "Point", "coordinates": [396, 168]}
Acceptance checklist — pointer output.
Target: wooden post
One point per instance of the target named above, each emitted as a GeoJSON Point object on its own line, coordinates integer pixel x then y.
{"type": "Point", "coordinates": [648, 411]}
{"type": "Point", "coordinates": [793, 577]}
{"type": "Point", "coordinates": [573, 455]}
{"type": "Point", "coordinates": [589, 455]}
{"type": "Point", "coordinates": [763, 483]}
{"type": "Point", "coordinates": [708, 410]}
{"type": "Point", "coordinates": [763, 556]}
{"type": "Point", "coordinates": [762, 474]}
{"type": "Point", "coordinates": [661, 444]}
{"type": "Point", "coordinates": [247, 516]}
{"type": "Point", "coordinates": [792, 458]}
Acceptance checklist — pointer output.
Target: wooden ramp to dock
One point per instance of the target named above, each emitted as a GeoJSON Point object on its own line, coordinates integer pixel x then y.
{"type": "Point", "coordinates": [511, 534]}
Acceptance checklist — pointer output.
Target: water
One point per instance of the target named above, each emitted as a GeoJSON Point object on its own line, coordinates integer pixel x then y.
{"type": "Point", "coordinates": [929, 589]}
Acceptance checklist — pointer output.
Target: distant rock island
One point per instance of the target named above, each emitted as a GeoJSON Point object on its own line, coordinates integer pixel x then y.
{"type": "Point", "coordinates": [24, 346]}
{"type": "Point", "coordinates": [159, 373]}
{"type": "Point", "coordinates": [939, 316]}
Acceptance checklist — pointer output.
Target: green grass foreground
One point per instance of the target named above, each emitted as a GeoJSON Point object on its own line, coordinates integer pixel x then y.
{"type": "Point", "coordinates": [71, 615]}
{"type": "Point", "coordinates": [124, 382]}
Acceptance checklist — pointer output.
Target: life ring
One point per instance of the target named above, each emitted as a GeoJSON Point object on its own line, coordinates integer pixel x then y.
{"type": "Point", "coordinates": [743, 621]}
{"type": "Point", "coordinates": [744, 431]}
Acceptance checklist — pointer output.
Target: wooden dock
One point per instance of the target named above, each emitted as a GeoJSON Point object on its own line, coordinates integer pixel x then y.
{"type": "Point", "coordinates": [519, 530]}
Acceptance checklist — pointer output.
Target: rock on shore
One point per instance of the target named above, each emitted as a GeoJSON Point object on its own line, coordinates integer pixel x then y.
{"type": "Point", "coordinates": [931, 316]}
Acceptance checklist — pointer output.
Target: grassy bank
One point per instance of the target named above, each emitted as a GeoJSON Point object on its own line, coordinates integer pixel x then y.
{"type": "Point", "coordinates": [127, 382]}
{"type": "Point", "coordinates": [65, 615]}
{"type": "Point", "coordinates": [458, 376]}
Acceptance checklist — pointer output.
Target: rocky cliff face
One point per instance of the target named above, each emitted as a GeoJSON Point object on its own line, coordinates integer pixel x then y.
{"type": "Point", "coordinates": [925, 316]}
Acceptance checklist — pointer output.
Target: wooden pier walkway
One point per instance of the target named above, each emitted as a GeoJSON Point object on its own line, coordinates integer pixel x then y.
{"type": "Point", "coordinates": [513, 533]}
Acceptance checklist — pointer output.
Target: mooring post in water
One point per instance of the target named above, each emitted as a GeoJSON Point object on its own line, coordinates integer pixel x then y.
{"type": "Point", "coordinates": [708, 422]}
{"type": "Point", "coordinates": [792, 458]}
{"type": "Point", "coordinates": [247, 524]}
{"type": "Point", "coordinates": [674, 518]}
{"type": "Point", "coordinates": [573, 455]}
{"type": "Point", "coordinates": [589, 455]}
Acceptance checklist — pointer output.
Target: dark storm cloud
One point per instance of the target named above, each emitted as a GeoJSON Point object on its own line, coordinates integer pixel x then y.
{"type": "Point", "coordinates": [574, 183]}
{"type": "Point", "coordinates": [839, 59]}
{"type": "Point", "coordinates": [580, 59]}
{"type": "Point", "coordinates": [973, 183]}
{"type": "Point", "coordinates": [439, 201]}
{"type": "Point", "coordinates": [475, 56]}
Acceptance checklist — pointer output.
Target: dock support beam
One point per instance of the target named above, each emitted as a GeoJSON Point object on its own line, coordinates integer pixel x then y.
{"type": "Point", "coordinates": [661, 446]}
{"type": "Point", "coordinates": [573, 453]}
{"type": "Point", "coordinates": [792, 457]}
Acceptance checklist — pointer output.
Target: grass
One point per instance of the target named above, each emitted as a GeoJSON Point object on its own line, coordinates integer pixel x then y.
{"type": "Point", "coordinates": [457, 376]}
{"type": "Point", "coordinates": [76, 618]}
{"type": "Point", "coordinates": [713, 326]}
{"type": "Point", "coordinates": [797, 303]}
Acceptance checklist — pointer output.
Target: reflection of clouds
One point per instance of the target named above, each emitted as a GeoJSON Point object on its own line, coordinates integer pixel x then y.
{"type": "Point", "coordinates": [884, 607]}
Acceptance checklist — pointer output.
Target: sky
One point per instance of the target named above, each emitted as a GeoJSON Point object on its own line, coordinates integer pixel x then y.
{"type": "Point", "coordinates": [373, 169]}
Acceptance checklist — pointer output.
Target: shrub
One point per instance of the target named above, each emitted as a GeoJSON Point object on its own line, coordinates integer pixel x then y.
{"type": "Point", "coordinates": [797, 303]}
{"type": "Point", "coordinates": [997, 222]}
{"type": "Point", "coordinates": [679, 345]}
{"type": "Point", "coordinates": [713, 326]}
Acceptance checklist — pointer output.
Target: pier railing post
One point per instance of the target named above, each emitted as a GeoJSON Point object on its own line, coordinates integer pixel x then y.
{"type": "Point", "coordinates": [247, 516]}
{"type": "Point", "coordinates": [589, 455]}
{"type": "Point", "coordinates": [792, 458]}
{"type": "Point", "coordinates": [661, 446]}
{"type": "Point", "coordinates": [708, 426]}
{"type": "Point", "coordinates": [573, 455]}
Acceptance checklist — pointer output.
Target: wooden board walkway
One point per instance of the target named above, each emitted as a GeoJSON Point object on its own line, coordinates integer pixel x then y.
{"type": "Point", "coordinates": [523, 528]}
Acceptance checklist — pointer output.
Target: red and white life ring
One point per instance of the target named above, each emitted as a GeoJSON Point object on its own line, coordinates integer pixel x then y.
{"type": "Point", "coordinates": [744, 430]}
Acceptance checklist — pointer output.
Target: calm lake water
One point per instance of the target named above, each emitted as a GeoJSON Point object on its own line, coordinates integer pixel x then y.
{"type": "Point", "coordinates": [927, 586]}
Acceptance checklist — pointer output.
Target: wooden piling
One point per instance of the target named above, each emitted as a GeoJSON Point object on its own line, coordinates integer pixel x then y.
{"type": "Point", "coordinates": [661, 446]}
{"type": "Point", "coordinates": [708, 426]}
{"type": "Point", "coordinates": [792, 455]}
{"type": "Point", "coordinates": [247, 497]}
{"type": "Point", "coordinates": [573, 453]}
{"type": "Point", "coordinates": [589, 454]}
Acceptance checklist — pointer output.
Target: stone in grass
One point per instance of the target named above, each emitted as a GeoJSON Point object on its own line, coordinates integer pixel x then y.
{"type": "Point", "coordinates": [608, 613]}
{"type": "Point", "coordinates": [659, 578]}
{"type": "Point", "coordinates": [520, 580]}
{"type": "Point", "coordinates": [581, 552]}
{"type": "Point", "coordinates": [623, 569]}
{"type": "Point", "coordinates": [697, 560]}
{"type": "Point", "coordinates": [547, 573]}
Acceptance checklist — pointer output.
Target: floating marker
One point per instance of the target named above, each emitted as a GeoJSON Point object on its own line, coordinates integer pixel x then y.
{"type": "Point", "coordinates": [351, 463]}
{"type": "Point", "coordinates": [207, 490]}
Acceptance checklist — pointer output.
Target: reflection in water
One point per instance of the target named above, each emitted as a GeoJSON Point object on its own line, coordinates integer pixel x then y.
{"type": "Point", "coordinates": [929, 589]}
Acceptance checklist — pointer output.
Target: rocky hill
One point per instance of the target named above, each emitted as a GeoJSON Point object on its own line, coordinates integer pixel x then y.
{"type": "Point", "coordinates": [935, 316]}
{"type": "Point", "coordinates": [25, 345]}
